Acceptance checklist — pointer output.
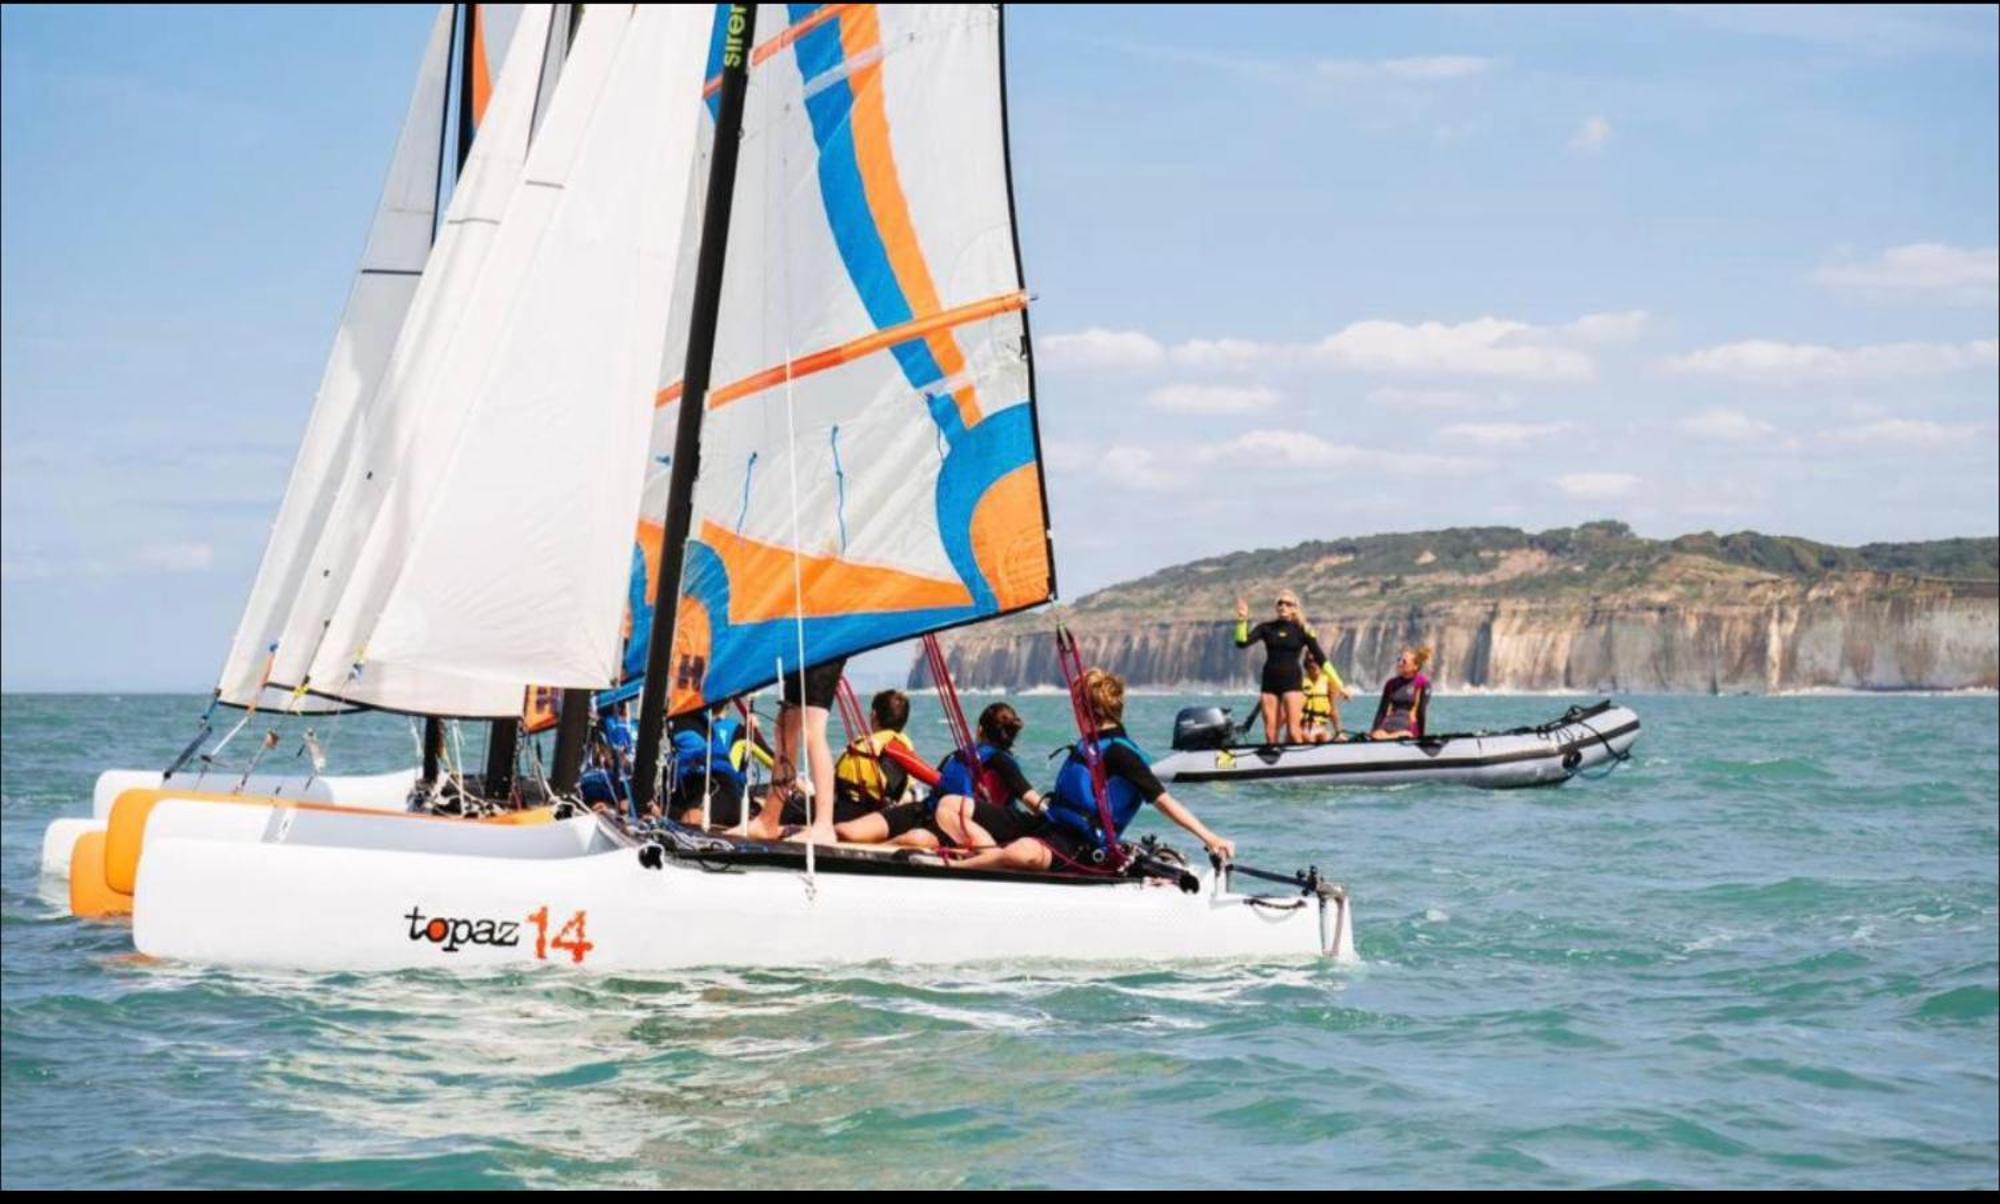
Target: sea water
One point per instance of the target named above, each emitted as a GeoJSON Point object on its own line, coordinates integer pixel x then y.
{"type": "Point", "coordinates": [1761, 954]}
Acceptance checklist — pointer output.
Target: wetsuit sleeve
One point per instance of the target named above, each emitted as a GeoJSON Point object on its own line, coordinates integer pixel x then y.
{"type": "Point", "coordinates": [1423, 706]}
{"type": "Point", "coordinates": [911, 764]}
{"type": "Point", "coordinates": [1243, 635]}
{"type": "Point", "coordinates": [1120, 761]}
{"type": "Point", "coordinates": [1382, 707]}
{"type": "Point", "coordinates": [1008, 770]}
{"type": "Point", "coordinates": [1312, 643]}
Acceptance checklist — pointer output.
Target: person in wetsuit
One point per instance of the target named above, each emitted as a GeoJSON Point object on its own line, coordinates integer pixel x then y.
{"type": "Point", "coordinates": [1406, 699]}
{"type": "Point", "coordinates": [1069, 835]}
{"type": "Point", "coordinates": [1282, 700]}
{"type": "Point", "coordinates": [976, 808]}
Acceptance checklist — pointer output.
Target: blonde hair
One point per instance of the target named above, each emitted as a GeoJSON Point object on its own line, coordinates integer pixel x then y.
{"type": "Point", "coordinates": [1105, 691]}
{"type": "Point", "coordinates": [1422, 656]}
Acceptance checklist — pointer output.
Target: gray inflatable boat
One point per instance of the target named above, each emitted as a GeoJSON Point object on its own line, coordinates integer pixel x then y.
{"type": "Point", "coordinates": [1579, 741]}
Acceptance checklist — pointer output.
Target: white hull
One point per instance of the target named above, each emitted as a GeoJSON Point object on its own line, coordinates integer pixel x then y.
{"type": "Point", "coordinates": [60, 840]}
{"type": "Point", "coordinates": [288, 905]}
{"type": "Point", "coordinates": [1501, 760]}
{"type": "Point", "coordinates": [277, 823]}
{"type": "Point", "coordinates": [389, 792]}
{"type": "Point", "coordinates": [381, 791]}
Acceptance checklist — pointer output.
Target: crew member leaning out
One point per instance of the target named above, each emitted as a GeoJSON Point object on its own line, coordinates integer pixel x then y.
{"type": "Point", "coordinates": [1071, 833]}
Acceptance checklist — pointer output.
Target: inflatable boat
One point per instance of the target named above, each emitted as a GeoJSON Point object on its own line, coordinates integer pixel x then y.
{"type": "Point", "coordinates": [1580, 741]}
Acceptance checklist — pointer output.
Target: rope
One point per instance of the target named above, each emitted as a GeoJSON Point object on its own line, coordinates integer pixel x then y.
{"type": "Point", "coordinates": [954, 714]}
{"type": "Point", "coordinates": [1071, 661]}
{"type": "Point", "coordinates": [792, 471]}
{"type": "Point", "coordinates": [1611, 766]}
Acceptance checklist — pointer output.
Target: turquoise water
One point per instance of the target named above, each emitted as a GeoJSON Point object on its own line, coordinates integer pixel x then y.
{"type": "Point", "coordinates": [1766, 954]}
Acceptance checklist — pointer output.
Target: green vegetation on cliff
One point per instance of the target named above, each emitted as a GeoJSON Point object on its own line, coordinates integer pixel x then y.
{"type": "Point", "coordinates": [1592, 560]}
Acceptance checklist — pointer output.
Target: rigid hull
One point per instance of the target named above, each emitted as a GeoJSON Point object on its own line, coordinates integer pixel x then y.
{"type": "Point", "coordinates": [322, 908]}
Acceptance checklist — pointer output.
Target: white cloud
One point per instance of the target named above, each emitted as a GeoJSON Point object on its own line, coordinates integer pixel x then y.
{"type": "Point", "coordinates": [1597, 484]}
{"type": "Point", "coordinates": [1276, 449]}
{"type": "Point", "coordinates": [1420, 69]}
{"type": "Point", "coordinates": [1908, 431]}
{"type": "Point", "coordinates": [1966, 275]}
{"type": "Point", "coordinates": [1134, 468]}
{"type": "Point", "coordinates": [1213, 399]}
{"type": "Point", "coordinates": [1224, 353]}
{"type": "Point", "coordinates": [1603, 329]}
{"type": "Point", "coordinates": [1591, 136]}
{"type": "Point", "coordinates": [1792, 363]}
{"type": "Point", "coordinates": [1502, 434]}
{"type": "Point", "coordinates": [1436, 399]}
{"type": "Point", "coordinates": [1482, 347]}
{"type": "Point", "coordinates": [1101, 348]}
{"type": "Point", "coordinates": [1728, 426]}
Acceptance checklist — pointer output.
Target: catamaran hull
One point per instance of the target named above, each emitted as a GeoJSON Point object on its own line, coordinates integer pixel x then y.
{"type": "Point", "coordinates": [331, 909]}
{"type": "Point", "coordinates": [377, 791]}
{"type": "Point", "coordinates": [389, 792]}
{"type": "Point", "coordinates": [1545, 757]}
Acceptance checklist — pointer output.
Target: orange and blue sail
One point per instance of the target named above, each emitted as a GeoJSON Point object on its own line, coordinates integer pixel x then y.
{"type": "Point", "coordinates": [870, 466]}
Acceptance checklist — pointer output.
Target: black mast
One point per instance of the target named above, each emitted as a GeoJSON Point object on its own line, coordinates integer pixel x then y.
{"type": "Point", "coordinates": [741, 28]}
{"type": "Point", "coordinates": [468, 46]}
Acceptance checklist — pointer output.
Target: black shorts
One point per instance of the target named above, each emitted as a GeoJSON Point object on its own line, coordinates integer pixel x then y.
{"type": "Point", "coordinates": [1071, 848]}
{"type": "Point", "coordinates": [822, 683]}
{"type": "Point", "coordinates": [1004, 822]}
{"type": "Point", "coordinates": [904, 818]}
{"type": "Point", "coordinates": [844, 809]}
{"type": "Point", "coordinates": [725, 799]}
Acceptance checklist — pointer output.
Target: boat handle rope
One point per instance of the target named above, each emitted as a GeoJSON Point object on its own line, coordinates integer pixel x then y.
{"type": "Point", "coordinates": [1611, 766]}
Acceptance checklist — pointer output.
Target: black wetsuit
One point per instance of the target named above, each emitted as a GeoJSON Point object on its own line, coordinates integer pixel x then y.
{"type": "Point", "coordinates": [1283, 640]}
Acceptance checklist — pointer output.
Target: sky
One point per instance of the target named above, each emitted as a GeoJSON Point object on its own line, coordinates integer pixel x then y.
{"type": "Point", "coordinates": [1330, 273]}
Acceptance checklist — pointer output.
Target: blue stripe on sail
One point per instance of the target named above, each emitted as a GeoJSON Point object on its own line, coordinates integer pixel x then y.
{"type": "Point", "coordinates": [855, 231]}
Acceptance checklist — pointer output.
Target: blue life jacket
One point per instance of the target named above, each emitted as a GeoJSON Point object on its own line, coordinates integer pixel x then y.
{"type": "Point", "coordinates": [1073, 802]}
{"type": "Point", "coordinates": [954, 777]}
{"type": "Point", "coordinates": [713, 752]}
{"type": "Point", "coordinates": [620, 735]}
{"type": "Point", "coordinates": [598, 786]}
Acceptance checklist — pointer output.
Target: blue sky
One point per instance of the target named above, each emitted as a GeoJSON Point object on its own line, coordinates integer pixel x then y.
{"type": "Point", "coordinates": [1328, 273]}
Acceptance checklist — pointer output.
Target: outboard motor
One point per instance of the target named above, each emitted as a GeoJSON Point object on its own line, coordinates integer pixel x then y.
{"type": "Point", "coordinates": [1200, 728]}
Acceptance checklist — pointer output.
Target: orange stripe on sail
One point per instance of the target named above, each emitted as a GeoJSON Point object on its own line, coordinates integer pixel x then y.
{"type": "Point", "coordinates": [760, 582]}
{"type": "Point", "coordinates": [785, 37]}
{"type": "Point", "coordinates": [860, 33]}
{"type": "Point", "coordinates": [482, 79]}
{"type": "Point", "coordinates": [846, 353]}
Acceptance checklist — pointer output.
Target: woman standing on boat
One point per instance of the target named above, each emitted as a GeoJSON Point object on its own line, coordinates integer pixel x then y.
{"type": "Point", "coordinates": [1283, 685]}
{"type": "Point", "coordinates": [1405, 699]}
{"type": "Point", "coordinates": [1070, 834]}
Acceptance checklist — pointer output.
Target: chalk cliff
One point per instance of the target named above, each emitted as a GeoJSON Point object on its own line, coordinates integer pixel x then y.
{"type": "Point", "coordinates": [1591, 609]}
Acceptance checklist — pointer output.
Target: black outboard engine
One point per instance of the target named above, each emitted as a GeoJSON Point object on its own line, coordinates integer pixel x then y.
{"type": "Point", "coordinates": [1199, 728]}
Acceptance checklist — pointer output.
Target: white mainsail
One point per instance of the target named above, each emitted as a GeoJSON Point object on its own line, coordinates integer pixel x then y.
{"type": "Point", "coordinates": [869, 462]}
{"type": "Point", "coordinates": [399, 242]}
{"type": "Point", "coordinates": [390, 416]}
{"type": "Point", "coordinates": [499, 549]}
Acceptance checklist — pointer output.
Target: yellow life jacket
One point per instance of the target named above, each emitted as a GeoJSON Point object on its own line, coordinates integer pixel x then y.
{"type": "Point", "coordinates": [1319, 693]}
{"type": "Point", "coordinates": [864, 776]}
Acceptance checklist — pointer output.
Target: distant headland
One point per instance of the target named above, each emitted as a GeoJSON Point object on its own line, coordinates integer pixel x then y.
{"type": "Point", "coordinates": [1589, 608]}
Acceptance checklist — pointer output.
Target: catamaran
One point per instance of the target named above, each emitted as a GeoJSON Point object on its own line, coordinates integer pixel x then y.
{"type": "Point", "coordinates": [769, 288]}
